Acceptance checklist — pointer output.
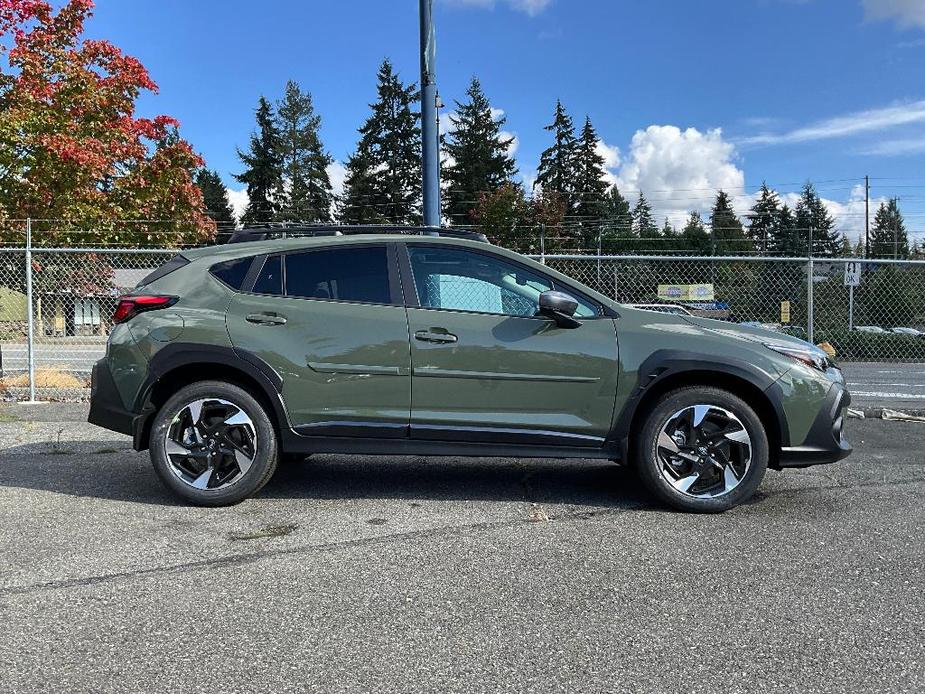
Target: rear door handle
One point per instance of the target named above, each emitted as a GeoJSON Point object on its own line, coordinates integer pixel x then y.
{"type": "Point", "coordinates": [266, 319]}
{"type": "Point", "coordinates": [435, 337]}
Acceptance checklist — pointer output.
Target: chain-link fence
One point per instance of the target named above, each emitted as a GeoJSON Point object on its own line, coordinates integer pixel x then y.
{"type": "Point", "coordinates": [866, 310]}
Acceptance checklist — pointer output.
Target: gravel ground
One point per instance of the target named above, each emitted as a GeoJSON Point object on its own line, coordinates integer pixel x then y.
{"type": "Point", "coordinates": [405, 574]}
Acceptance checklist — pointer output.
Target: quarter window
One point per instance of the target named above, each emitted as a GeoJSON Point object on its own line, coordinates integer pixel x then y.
{"type": "Point", "coordinates": [341, 274]}
{"type": "Point", "coordinates": [270, 279]}
{"type": "Point", "coordinates": [232, 272]}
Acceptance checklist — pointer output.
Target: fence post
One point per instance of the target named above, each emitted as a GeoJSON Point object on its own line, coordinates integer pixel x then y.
{"type": "Point", "coordinates": [809, 300]}
{"type": "Point", "coordinates": [30, 318]}
{"type": "Point", "coordinates": [543, 244]}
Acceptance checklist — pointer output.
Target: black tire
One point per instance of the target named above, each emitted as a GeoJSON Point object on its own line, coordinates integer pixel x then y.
{"type": "Point", "coordinates": [264, 454]}
{"type": "Point", "coordinates": [649, 466]}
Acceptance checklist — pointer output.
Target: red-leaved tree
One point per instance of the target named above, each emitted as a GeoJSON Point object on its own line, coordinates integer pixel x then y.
{"type": "Point", "coordinates": [72, 149]}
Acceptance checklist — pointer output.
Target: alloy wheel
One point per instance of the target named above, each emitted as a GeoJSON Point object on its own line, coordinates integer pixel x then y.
{"type": "Point", "coordinates": [211, 444]}
{"type": "Point", "coordinates": [704, 451]}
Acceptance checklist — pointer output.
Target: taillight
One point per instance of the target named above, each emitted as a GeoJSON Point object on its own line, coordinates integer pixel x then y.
{"type": "Point", "coordinates": [130, 306]}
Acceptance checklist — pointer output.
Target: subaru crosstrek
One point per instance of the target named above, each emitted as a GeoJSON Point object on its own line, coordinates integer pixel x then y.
{"type": "Point", "coordinates": [227, 359]}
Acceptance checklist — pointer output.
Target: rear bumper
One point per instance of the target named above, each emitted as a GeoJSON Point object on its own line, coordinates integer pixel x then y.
{"type": "Point", "coordinates": [825, 442]}
{"type": "Point", "coordinates": [106, 408]}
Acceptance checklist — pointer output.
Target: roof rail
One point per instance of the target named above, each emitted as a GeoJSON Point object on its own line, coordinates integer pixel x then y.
{"type": "Point", "coordinates": [281, 230]}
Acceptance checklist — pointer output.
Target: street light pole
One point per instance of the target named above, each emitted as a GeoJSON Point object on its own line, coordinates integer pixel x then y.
{"type": "Point", "coordinates": [430, 132]}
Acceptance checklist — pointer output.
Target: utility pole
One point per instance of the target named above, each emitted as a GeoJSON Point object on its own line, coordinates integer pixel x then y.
{"type": "Point", "coordinates": [430, 132]}
{"type": "Point", "coordinates": [867, 216]}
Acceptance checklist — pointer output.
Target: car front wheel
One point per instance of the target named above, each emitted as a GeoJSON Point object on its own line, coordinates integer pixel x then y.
{"type": "Point", "coordinates": [702, 449]}
{"type": "Point", "coordinates": [213, 444]}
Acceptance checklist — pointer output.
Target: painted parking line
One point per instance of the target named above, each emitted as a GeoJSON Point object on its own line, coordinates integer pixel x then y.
{"type": "Point", "coordinates": [893, 396]}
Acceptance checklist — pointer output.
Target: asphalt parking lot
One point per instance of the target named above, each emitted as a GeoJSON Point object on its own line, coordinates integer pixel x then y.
{"type": "Point", "coordinates": [405, 574]}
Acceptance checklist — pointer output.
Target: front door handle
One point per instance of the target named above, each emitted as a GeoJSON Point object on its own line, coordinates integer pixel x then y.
{"type": "Point", "coordinates": [440, 338]}
{"type": "Point", "coordinates": [266, 319]}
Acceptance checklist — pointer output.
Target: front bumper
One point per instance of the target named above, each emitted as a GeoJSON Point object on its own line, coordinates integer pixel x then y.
{"type": "Point", "coordinates": [106, 408]}
{"type": "Point", "coordinates": [825, 442]}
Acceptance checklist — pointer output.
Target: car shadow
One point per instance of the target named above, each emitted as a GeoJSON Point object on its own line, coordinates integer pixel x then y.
{"type": "Point", "coordinates": [111, 470]}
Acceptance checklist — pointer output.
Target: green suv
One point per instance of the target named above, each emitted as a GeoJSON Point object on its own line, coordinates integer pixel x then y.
{"type": "Point", "coordinates": [425, 342]}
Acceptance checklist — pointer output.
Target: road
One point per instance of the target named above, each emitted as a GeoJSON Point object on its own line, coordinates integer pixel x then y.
{"type": "Point", "coordinates": [357, 574]}
{"type": "Point", "coordinates": [883, 384]}
{"type": "Point", "coordinates": [72, 355]}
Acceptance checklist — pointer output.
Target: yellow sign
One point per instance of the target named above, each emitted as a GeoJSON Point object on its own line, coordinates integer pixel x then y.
{"type": "Point", "coordinates": [784, 311]}
{"type": "Point", "coordinates": [686, 292]}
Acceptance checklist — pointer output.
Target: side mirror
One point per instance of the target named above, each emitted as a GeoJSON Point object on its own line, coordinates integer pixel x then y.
{"type": "Point", "coordinates": [560, 307]}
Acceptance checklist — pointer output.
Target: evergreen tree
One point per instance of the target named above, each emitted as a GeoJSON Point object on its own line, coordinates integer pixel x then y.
{"type": "Point", "coordinates": [888, 238]}
{"type": "Point", "coordinates": [481, 159]}
{"type": "Point", "coordinates": [591, 187]}
{"type": "Point", "coordinates": [383, 183]}
{"type": "Point", "coordinates": [215, 198]}
{"type": "Point", "coordinates": [812, 217]}
{"type": "Point", "coordinates": [694, 236]}
{"type": "Point", "coordinates": [785, 239]}
{"type": "Point", "coordinates": [728, 235]}
{"type": "Point", "coordinates": [263, 175]}
{"type": "Point", "coordinates": [617, 234]}
{"type": "Point", "coordinates": [304, 162]}
{"type": "Point", "coordinates": [557, 172]}
{"type": "Point", "coordinates": [644, 225]}
{"type": "Point", "coordinates": [763, 218]}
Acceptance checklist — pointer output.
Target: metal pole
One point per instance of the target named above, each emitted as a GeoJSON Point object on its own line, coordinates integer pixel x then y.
{"type": "Point", "coordinates": [543, 244]}
{"type": "Point", "coordinates": [867, 216]}
{"type": "Point", "coordinates": [599, 234]}
{"type": "Point", "coordinates": [430, 131]}
{"type": "Point", "coordinates": [809, 289]}
{"type": "Point", "coordinates": [30, 346]}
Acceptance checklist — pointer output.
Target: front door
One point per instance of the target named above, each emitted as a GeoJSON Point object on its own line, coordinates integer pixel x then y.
{"type": "Point", "coordinates": [487, 368]}
{"type": "Point", "coordinates": [331, 323]}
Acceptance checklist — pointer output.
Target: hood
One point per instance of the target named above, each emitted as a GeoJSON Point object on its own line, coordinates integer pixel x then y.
{"type": "Point", "coordinates": [745, 332]}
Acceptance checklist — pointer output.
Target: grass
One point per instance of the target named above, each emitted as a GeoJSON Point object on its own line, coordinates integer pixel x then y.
{"type": "Point", "coordinates": [45, 378]}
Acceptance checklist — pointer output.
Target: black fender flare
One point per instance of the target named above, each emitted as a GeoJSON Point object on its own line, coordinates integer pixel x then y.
{"type": "Point", "coordinates": [178, 355]}
{"type": "Point", "coordinates": [666, 364]}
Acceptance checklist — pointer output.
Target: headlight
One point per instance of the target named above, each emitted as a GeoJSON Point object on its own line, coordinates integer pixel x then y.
{"type": "Point", "coordinates": [809, 355]}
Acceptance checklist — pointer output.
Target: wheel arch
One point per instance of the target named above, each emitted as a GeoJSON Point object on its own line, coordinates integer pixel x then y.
{"type": "Point", "coordinates": [663, 373]}
{"type": "Point", "coordinates": [180, 365]}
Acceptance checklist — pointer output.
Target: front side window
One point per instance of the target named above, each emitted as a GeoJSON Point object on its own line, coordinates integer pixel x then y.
{"type": "Point", "coordinates": [461, 280]}
{"type": "Point", "coordinates": [340, 274]}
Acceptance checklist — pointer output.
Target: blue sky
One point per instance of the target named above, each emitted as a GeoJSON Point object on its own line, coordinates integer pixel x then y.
{"type": "Point", "coordinates": [686, 96]}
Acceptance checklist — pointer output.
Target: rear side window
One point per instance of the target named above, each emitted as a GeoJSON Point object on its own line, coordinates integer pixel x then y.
{"type": "Point", "coordinates": [340, 274]}
{"type": "Point", "coordinates": [270, 279]}
{"type": "Point", "coordinates": [232, 272]}
{"type": "Point", "coordinates": [174, 263]}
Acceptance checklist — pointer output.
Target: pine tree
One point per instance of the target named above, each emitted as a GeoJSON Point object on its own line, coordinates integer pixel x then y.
{"type": "Point", "coordinates": [591, 187]}
{"type": "Point", "coordinates": [215, 198]}
{"type": "Point", "coordinates": [383, 183]}
{"type": "Point", "coordinates": [813, 218]}
{"type": "Point", "coordinates": [557, 171]}
{"type": "Point", "coordinates": [644, 225]}
{"type": "Point", "coordinates": [617, 234]}
{"type": "Point", "coordinates": [480, 155]}
{"type": "Point", "coordinates": [694, 236]}
{"type": "Point", "coordinates": [785, 239]}
{"type": "Point", "coordinates": [263, 175]}
{"type": "Point", "coordinates": [304, 162]}
{"type": "Point", "coordinates": [888, 237]}
{"type": "Point", "coordinates": [763, 218]}
{"type": "Point", "coordinates": [728, 235]}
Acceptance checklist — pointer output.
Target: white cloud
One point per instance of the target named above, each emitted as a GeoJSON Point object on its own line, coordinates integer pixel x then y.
{"type": "Point", "coordinates": [680, 170]}
{"type": "Point", "coordinates": [895, 148]}
{"type": "Point", "coordinates": [529, 7]}
{"type": "Point", "coordinates": [872, 120]}
{"type": "Point", "coordinates": [611, 156]}
{"type": "Point", "coordinates": [337, 173]}
{"type": "Point", "coordinates": [238, 200]}
{"type": "Point", "coordinates": [907, 13]}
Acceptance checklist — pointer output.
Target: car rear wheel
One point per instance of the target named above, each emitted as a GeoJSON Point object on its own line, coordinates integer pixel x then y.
{"type": "Point", "coordinates": [702, 449]}
{"type": "Point", "coordinates": [213, 444]}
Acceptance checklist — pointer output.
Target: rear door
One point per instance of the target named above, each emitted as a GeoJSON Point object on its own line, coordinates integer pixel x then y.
{"type": "Point", "coordinates": [487, 368]}
{"type": "Point", "coordinates": [331, 322]}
